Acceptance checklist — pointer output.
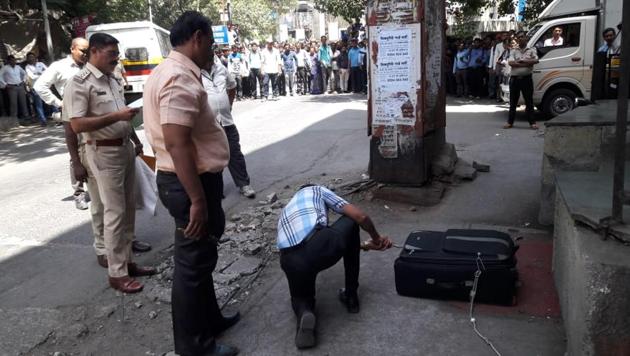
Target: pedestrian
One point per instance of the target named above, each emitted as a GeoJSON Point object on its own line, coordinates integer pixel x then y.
{"type": "Point", "coordinates": [255, 64]}
{"type": "Point", "coordinates": [34, 70]}
{"type": "Point", "coordinates": [609, 47]}
{"type": "Point", "coordinates": [495, 54]}
{"type": "Point", "coordinates": [309, 245]}
{"type": "Point", "coordinates": [289, 60]}
{"type": "Point", "coordinates": [354, 62]}
{"type": "Point", "coordinates": [363, 80]}
{"type": "Point", "coordinates": [191, 150]}
{"type": "Point", "coordinates": [316, 78]}
{"type": "Point", "coordinates": [344, 69]}
{"type": "Point", "coordinates": [245, 80]}
{"type": "Point", "coordinates": [335, 47]}
{"type": "Point", "coordinates": [476, 69]}
{"type": "Point", "coordinates": [13, 77]}
{"type": "Point", "coordinates": [235, 62]}
{"type": "Point", "coordinates": [325, 62]}
{"type": "Point", "coordinates": [522, 60]}
{"type": "Point", "coordinates": [303, 67]}
{"type": "Point", "coordinates": [52, 81]}
{"type": "Point", "coordinates": [271, 66]}
{"type": "Point", "coordinates": [460, 69]}
{"type": "Point", "coordinates": [221, 89]}
{"type": "Point", "coordinates": [95, 105]}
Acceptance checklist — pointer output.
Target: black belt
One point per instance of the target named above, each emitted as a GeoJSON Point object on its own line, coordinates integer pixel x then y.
{"type": "Point", "coordinates": [520, 76]}
{"type": "Point", "coordinates": [108, 142]}
{"type": "Point", "coordinates": [167, 173]}
{"type": "Point", "coordinates": [302, 243]}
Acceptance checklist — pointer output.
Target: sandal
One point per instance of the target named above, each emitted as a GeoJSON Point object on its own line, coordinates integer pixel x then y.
{"type": "Point", "coordinates": [507, 126]}
{"type": "Point", "coordinates": [534, 126]}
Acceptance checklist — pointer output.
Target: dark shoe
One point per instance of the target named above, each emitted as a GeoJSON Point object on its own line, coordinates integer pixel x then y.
{"type": "Point", "coordinates": [224, 350]}
{"type": "Point", "coordinates": [139, 246]}
{"type": "Point", "coordinates": [305, 335]}
{"type": "Point", "coordinates": [227, 322]}
{"type": "Point", "coordinates": [125, 284]}
{"type": "Point", "coordinates": [350, 300]}
{"type": "Point", "coordinates": [140, 271]}
{"type": "Point", "coordinates": [102, 260]}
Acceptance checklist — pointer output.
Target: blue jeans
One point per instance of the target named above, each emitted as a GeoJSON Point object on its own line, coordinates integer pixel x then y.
{"type": "Point", "coordinates": [39, 106]}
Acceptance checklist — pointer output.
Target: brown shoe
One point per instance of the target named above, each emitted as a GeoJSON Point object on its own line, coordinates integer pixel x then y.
{"type": "Point", "coordinates": [139, 271]}
{"type": "Point", "coordinates": [507, 126]}
{"type": "Point", "coordinates": [102, 260]}
{"type": "Point", "coordinates": [125, 284]}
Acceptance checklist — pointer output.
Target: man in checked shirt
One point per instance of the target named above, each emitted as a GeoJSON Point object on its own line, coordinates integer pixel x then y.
{"type": "Point", "coordinates": [308, 246]}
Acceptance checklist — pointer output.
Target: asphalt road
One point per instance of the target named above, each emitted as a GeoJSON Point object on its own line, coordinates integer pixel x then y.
{"type": "Point", "coordinates": [47, 263]}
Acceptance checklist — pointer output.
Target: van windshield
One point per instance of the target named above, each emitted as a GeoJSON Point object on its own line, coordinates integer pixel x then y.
{"type": "Point", "coordinates": [534, 29]}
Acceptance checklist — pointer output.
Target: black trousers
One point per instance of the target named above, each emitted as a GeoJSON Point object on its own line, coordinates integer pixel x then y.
{"type": "Point", "coordinates": [523, 85]}
{"type": "Point", "coordinates": [236, 166]}
{"type": "Point", "coordinates": [356, 79]}
{"type": "Point", "coordinates": [475, 81]}
{"type": "Point", "coordinates": [196, 313]}
{"type": "Point", "coordinates": [256, 76]}
{"type": "Point", "coordinates": [273, 77]}
{"type": "Point", "coordinates": [303, 83]}
{"type": "Point", "coordinates": [322, 251]}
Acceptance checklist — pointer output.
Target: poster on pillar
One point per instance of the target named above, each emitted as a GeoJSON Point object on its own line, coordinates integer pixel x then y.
{"type": "Point", "coordinates": [395, 72]}
{"type": "Point", "coordinates": [395, 52]}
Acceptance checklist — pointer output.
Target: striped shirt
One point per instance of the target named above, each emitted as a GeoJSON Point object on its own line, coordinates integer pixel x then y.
{"type": "Point", "coordinates": [307, 210]}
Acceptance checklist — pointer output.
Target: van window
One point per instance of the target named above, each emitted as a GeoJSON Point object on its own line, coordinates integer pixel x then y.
{"type": "Point", "coordinates": [560, 36]}
{"type": "Point", "coordinates": [165, 43]}
{"type": "Point", "coordinates": [137, 54]}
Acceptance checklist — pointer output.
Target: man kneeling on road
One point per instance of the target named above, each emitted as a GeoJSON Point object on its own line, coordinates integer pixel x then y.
{"type": "Point", "coordinates": [308, 246]}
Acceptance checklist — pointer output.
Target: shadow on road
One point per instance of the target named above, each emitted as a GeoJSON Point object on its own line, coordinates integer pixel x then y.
{"type": "Point", "coordinates": [22, 144]}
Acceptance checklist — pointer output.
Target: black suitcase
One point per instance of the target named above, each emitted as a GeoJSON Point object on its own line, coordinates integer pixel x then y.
{"type": "Point", "coordinates": [442, 265]}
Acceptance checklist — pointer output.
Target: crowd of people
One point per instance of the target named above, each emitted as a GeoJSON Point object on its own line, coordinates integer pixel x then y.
{"type": "Point", "coordinates": [475, 68]}
{"type": "Point", "coordinates": [301, 68]}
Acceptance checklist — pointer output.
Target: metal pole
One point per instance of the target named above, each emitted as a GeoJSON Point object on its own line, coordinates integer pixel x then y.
{"type": "Point", "coordinates": [150, 12]}
{"type": "Point", "coordinates": [51, 55]}
{"type": "Point", "coordinates": [229, 12]}
{"type": "Point", "coordinates": [622, 117]}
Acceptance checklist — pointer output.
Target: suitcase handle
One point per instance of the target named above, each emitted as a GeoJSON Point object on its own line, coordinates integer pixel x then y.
{"type": "Point", "coordinates": [443, 285]}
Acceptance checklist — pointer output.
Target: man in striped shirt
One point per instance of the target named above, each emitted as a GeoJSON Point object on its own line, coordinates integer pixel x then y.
{"type": "Point", "coordinates": [308, 246]}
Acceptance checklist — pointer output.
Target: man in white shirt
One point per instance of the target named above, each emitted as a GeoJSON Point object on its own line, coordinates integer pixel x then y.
{"type": "Point", "coordinates": [34, 70]}
{"type": "Point", "coordinates": [221, 89]}
{"type": "Point", "coordinates": [271, 66]}
{"type": "Point", "coordinates": [303, 68]}
{"type": "Point", "coordinates": [254, 59]}
{"type": "Point", "coordinates": [235, 61]}
{"type": "Point", "coordinates": [493, 71]}
{"type": "Point", "coordinates": [56, 76]}
{"type": "Point", "coordinates": [13, 78]}
{"type": "Point", "coordinates": [556, 39]}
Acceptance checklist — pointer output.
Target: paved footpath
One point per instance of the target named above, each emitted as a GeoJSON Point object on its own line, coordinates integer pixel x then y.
{"type": "Point", "coordinates": [53, 296]}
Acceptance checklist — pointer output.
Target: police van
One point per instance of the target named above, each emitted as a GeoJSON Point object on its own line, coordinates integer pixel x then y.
{"type": "Point", "coordinates": [143, 45]}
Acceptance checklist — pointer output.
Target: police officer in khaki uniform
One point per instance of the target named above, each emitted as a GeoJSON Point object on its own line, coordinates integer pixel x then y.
{"type": "Point", "coordinates": [95, 105]}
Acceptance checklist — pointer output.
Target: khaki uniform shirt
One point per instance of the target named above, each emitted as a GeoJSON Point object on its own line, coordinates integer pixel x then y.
{"type": "Point", "coordinates": [91, 93]}
{"type": "Point", "coordinates": [517, 54]}
{"type": "Point", "coordinates": [174, 94]}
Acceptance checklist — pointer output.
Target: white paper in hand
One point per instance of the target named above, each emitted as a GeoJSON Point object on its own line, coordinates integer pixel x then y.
{"type": "Point", "coordinates": [136, 104]}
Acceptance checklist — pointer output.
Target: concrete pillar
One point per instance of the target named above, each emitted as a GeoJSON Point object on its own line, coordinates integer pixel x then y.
{"type": "Point", "coordinates": [406, 106]}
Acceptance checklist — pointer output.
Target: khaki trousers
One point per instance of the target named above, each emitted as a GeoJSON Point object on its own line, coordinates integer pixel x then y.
{"type": "Point", "coordinates": [114, 169]}
{"type": "Point", "coordinates": [96, 205]}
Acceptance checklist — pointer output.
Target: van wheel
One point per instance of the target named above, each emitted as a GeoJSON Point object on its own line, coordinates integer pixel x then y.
{"type": "Point", "coordinates": [559, 101]}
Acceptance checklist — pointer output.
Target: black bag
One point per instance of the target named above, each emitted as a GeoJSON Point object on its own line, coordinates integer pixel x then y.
{"type": "Point", "coordinates": [442, 265]}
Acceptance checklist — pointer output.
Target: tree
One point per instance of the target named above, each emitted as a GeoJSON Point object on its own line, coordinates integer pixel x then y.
{"type": "Point", "coordinates": [349, 10]}
{"type": "Point", "coordinates": [463, 11]}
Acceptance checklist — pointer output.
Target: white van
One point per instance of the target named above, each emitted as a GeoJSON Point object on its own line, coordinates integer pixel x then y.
{"type": "Point", "coordinates": [143, 45]}
{"type": "Point", "coordinates": [565, 72]}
